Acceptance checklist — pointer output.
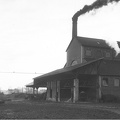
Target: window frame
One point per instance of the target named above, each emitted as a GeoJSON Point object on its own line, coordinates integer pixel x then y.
{"type": "Point", "coordinates": [116, 85]}
{"type": "Point", "coordinates": [105, 81]}
{"type": "Point", "coordinates": [74, 62]}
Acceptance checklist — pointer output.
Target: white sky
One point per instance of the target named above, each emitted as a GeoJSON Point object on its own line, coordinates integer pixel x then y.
{"type": "Point", "coordinates": [34, 35]}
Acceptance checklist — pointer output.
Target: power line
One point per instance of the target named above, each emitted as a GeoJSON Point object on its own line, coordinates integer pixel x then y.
{"type": "Point", "coordinates": [21, 72]}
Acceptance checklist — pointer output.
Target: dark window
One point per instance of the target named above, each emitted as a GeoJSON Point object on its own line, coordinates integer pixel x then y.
{"type": "Point", "coordinates": [105, 81]}
{"type": "Point", "coordinates": [116, 82]}
{"type": "Point", "coordinates": [107, 54]}
{"type": "Point", "coordinates": [98, 53]}
{"type": "Point", "coordinates": [88, 52]}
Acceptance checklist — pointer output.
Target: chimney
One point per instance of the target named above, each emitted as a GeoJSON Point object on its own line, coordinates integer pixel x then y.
{"type": "Point", "coordinates": [95, 5]}
{"type": "Point", "coordinates": [74, 27]}
{"type": "Point", "coordinates": [74, 23]}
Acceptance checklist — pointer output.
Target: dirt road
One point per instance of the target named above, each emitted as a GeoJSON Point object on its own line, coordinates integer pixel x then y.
{"type": "Point", "coordinates": [22, 109]}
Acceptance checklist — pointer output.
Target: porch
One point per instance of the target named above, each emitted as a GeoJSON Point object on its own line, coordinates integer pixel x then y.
{"type": "Point", "coordinates": [75, 83]}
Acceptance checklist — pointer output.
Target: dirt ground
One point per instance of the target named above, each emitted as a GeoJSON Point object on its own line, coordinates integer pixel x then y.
{"type": "Point", "coordinates": [24, 109]}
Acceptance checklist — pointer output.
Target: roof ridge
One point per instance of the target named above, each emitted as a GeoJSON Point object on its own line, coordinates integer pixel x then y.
{"type": "Point", "coordinates": [93, 42]}
{"type": "Point", "coordinates": [91, 38]}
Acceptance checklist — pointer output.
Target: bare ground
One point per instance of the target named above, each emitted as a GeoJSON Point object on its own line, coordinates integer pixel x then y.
{"type": "Point", "coordinates": [49, 110]}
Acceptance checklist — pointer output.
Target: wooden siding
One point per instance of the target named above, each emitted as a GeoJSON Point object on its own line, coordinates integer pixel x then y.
{"type": "Point", "coordinates": [91, 53]}
{"type": "Point", "coordinates": [74, 53]}
{"type": "Point", "coordinates": [111, 89]}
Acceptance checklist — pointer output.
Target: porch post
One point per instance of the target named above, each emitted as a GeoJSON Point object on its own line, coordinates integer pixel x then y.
{"type": "Point", "coordinates": [48, 91]}
{"type": "Point", "coordinates": [33, 90]}
{"type": "Point", "coordinates": [99, 89]}
{"type": "Point", "coordinates": [37, 90]}
{"type": "Point", "coordinates": [76, 90]}
{"type": "Point", "coordinates": [58, 91]}
{"type": "Point", "coordinates": [27, 90]}
{"type": "Point", "coordinates": [53, 90]}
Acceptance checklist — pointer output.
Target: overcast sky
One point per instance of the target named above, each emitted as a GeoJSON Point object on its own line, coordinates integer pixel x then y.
{"type": "Point", "coordinates": [34, 35]}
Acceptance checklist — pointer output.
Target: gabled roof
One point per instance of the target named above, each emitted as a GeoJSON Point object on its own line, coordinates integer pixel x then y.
{"type": "Point", "coordinates": [91, 42]}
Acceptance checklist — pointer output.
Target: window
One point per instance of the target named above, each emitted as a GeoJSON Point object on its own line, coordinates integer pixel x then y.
{"type": "Point", "coordinates": [107, 54]}
{"type": "Point", "coordinates": [88, 52]}
{"type": "Point", "coordinates": [116, 82]}
{"type": "Point", "coordinates": [98, 53]}
{"type": "Point", "coordinates": [74, 62]}
{"type": "Point", "coordinates": [105, 81]}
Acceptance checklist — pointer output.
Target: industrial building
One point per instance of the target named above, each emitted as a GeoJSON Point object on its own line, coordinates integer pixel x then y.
{"type": "Point", "coordinates": [92, 70]}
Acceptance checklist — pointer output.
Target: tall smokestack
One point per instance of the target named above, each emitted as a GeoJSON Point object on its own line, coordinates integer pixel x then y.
{"type": "Point", "coordinates": [74, 27]}
{"type": "Point", "coordinates": [96, 5]}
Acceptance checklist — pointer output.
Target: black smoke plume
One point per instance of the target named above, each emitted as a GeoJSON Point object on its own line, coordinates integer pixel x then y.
{"type": "Point", "coordinates": [96, 5]}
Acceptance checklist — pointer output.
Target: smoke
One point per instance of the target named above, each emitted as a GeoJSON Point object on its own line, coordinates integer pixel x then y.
{"type": "Point", "coordinates": [110, 36]}
{"type": "Point", "coordinates": [96, 5]}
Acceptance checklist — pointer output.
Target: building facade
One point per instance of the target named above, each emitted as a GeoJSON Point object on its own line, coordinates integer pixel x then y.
{"type": "Point", "coordinates": [91, 71]}
{"type": "Point", "coordinates": [82, 49]}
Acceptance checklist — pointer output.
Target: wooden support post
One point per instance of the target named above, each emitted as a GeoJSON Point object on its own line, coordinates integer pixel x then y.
{"type": "Point", "coordinates": [33, 90]}
{"type": "Point", "coordinates": [76, 90]}
{"type": "Point", "coordinates": [58, 91]}
{"type": "Point", "coordinates": [37, 90]}
{"type": "Point", "coordinates": [72, 93]}
{"type": "Point", "coordinates": [48, 90]}
{"type": "Point", "coordinates": [53, 90]}
{"type": "Point", "coordinates": [99, 89]}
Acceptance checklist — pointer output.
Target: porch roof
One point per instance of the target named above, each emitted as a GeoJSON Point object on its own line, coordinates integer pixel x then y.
{"type": "Point", "coordinates": [65, 73]}
{"type": "Point", "coordinates": [30, 84]}
{"type": "Point", "coordinates": [95, 67]}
